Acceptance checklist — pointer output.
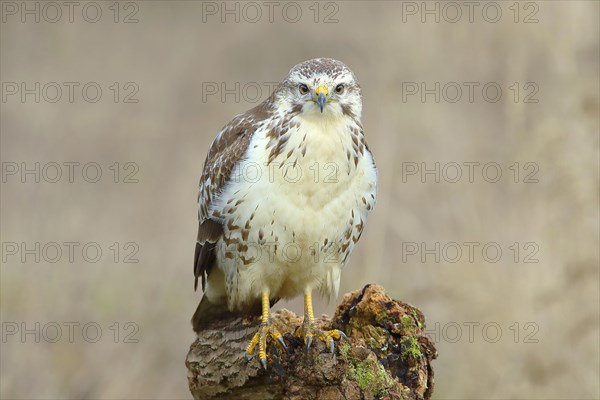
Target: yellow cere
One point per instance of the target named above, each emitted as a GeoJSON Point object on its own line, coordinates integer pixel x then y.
{"type": "Point", "coordinates": [322, 89]}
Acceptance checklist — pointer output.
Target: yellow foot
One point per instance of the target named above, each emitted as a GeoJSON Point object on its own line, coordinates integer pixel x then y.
{"type": "Point", "coordinates": [309, 330]}
{"type": "Point", "coordinates": [266, 329]}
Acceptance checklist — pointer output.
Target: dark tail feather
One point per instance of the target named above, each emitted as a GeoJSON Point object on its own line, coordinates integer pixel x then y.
{"type": "Point", "coordinates": [207, 312]}
{"type": "Point", "coordinates": [203, 259]}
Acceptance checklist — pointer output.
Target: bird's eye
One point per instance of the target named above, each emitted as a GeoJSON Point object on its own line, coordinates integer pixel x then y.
{"type": "Point", "coordinates": [339, 89]}
{"type": "Point", "coordinates": [303, 88]}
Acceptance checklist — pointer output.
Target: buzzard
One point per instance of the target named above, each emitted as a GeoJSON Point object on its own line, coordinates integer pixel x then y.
{"type": "Point", "coordinates": [283, 199]}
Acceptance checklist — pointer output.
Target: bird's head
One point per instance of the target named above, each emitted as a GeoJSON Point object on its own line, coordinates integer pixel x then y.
{"type": "Point", "coordinates": [322, 87]}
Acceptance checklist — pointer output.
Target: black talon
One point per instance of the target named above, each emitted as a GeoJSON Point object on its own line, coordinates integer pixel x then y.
{"type": "Point", "coordinates": [308, 342]}
{"type": "Point", "coordinates": [264, 364]}
{"type": "Point", "coordinates": [331, 346]}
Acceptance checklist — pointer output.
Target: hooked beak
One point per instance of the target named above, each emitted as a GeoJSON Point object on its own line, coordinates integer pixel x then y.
{"type": "Point", "coordinates": [321, 93]}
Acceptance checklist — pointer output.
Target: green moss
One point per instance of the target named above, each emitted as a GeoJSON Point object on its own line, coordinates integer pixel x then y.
{"type": "Point", "coordinates": [344, 351]}
{"type": "Point", "coordinates": [407, 323]}
{"type": "Point", "coordinates": [369, 374]}
{"type": "Point", "coordinates": [416, 317]}
{"type": "Point", "coordinates": [410, 348]}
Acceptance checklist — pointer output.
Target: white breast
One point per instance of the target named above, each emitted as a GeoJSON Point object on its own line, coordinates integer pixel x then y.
{"type": "Point", "coordinates": [292, 216]}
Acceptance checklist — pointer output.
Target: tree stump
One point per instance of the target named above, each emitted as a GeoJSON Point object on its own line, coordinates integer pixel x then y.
{"type": "Point", "coordinates": [387, 356]}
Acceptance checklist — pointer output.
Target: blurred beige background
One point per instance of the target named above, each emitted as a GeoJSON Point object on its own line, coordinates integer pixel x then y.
{"type": "Point", "coordinates": [547, 311]}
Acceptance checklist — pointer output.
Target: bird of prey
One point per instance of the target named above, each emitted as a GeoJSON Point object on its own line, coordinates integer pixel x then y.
{"type": "Point", "coordinates": [283, 199]}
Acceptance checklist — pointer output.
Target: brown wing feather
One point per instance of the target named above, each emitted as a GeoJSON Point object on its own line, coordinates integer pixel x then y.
{"type": "Point", "coordinates": [227, 149]}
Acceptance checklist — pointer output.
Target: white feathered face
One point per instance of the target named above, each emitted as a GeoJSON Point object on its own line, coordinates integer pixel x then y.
{"type": "Point", "coordinates": [321, 86]}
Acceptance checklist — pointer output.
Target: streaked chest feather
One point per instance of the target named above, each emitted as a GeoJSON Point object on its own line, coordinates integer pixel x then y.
{"type": "Point", "coordinates": [297, 204]}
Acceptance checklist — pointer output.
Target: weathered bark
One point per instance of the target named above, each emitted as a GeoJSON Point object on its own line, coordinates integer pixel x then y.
{"type": "Point", "coordinates": [386, 357]}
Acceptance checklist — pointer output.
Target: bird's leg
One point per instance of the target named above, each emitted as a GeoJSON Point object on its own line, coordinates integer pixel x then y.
{"type": "Point", "coordinates": [309, 329]}
{"type": "Point", "coordinates": [265, 330]}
